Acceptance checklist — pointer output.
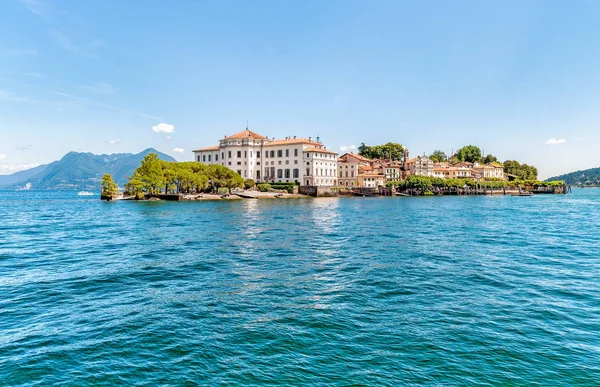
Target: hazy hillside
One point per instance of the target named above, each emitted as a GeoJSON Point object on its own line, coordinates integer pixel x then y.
{"type": "Point", "coordinates": [589, 177]}
{"type": "Point", "coordinates": [79, 171]}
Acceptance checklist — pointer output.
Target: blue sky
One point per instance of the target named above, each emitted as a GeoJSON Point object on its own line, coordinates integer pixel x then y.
{"type": "Point", "coordinates": [518, 78]}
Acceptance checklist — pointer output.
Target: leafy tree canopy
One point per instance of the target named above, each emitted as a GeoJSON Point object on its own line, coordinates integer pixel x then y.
{"type": "Point", "coordinates": [469, 153]}
{"type": "Point", "coordinates": [438, 156]}
{"type": "Point", "coordinates": [391, 150]}
{"type": "Point", "coordinates": [108, 186]}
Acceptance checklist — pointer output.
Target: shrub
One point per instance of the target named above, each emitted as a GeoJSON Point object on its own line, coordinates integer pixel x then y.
{"type": "Point", "coordinates": [428, 193]}
{"type": "Point", "coordinates": [249, 183]}
{"type": "Point", "coordinates": [264, 187]}
{"type": "Point", "coordinates": [223, 190]}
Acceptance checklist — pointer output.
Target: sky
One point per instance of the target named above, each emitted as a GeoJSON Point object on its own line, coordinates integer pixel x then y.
{"type": "Point", "coordinates": [520, 79]}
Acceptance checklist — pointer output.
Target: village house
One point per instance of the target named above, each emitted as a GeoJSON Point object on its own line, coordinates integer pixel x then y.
{"type": "Point", "coordinates": [300, 160]}
{"type": "Point", "coordinates": [348, 171]}
{"type": "Point", "coordinates": [490, 171]}
{"type": "Point", "coordinates": [419, 166]}
{"type": "Point", "coordinates": [370, 177]}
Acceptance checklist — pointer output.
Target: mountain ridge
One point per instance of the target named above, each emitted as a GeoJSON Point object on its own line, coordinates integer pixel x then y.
{"type": "Point", "coordinates": [79, 171]}
{"type": "Point", "coordinates": [587, 177]}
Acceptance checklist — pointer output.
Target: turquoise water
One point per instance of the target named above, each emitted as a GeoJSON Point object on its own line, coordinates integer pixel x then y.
{"type": "Point", "coordinates": [348, 291]}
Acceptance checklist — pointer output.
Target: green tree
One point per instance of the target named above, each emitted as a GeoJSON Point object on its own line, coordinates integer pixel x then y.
{"type": "Point", "coordinates": [438, 156]}
{"type": "Point", "coordinates": [390, 150]}
{"type": "Point", "coordinates": [490, 159]}
{"type": "Point", "coordinates": [469, 153]}
{"type": "Point", "coordinates": [249, 183]}
{"type": "Point", "coordinates": [135, 187]}
{"type": "Point", "coordinates": [108, 186]}
{"type": "Point", "coordinates": [151, 174]}
{"type": "Point", "coordinates": [419, 182]}
{"type": "Point", "coordinates": [222, 177]}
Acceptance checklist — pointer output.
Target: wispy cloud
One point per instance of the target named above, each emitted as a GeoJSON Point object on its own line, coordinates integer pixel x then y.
{"type": "Point", "coordinates": [7, 169]}
{"type": "Point", "coordinates": [178, 150]}
{"type": "Point", "coordinates": [346, 148]}
{"type": "Point", "coordinates": [35, 75]}
{"type": "Point", "coordinates": [113, 142]}
{"type": "Point", "coordinates": [556, 141]}
{"type": "Point", "coordinates": [35, 6]}
{"type": "Point", "coordinates": [169, 138]}
{"type": "Point", "coordinates": [22, 147]}
{"type": "Point", "coordinates": [163, 128]}
{"type": "Point", "coordinates": [7, 96]}
{"type": "Point", "coordinates": [3, 156]}
{"type": "Point", "coordinates": [66, 43]}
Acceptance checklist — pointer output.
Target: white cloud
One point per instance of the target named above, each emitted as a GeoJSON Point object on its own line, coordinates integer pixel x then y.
{"type": "Point", "coordinates": [3, 156]}
{"type": "Point", "coordinates": [7, 169]}
{"type": "Point", "coordinates": [178, 150]}
{"type": "Point", "coordinates": [164, 128]}
{"type": "Point", "coordinates": [35, 75]}
{"type": "Point", "coordinates": [555, 141]}
{"type": "Point", "coordinates": [346, 148]}
{"type": "Point", "coordinates": [113, 142]}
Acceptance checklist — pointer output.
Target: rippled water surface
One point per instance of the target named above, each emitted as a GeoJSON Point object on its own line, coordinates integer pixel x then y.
{"type": "Point", "coordinates": [348, 291]}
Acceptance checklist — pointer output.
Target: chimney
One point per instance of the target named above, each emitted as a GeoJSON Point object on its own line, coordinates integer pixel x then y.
{"type": "Point", "coordinates": [294, 137]}
{"type": "Point", "coordinates": [310, 139]}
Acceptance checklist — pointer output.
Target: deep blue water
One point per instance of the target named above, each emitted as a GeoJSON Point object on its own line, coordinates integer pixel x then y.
{"type": "Point", "coordinates": [348, 291]}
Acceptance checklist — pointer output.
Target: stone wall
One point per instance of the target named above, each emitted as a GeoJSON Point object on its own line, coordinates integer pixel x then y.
{"type": "Point", "coordinates": [318, 191]}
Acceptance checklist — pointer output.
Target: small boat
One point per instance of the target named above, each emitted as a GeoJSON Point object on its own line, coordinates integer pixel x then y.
{"type": "Point", "coordinates": [85, 193]}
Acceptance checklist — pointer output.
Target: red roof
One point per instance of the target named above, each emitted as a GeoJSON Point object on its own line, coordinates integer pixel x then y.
{"type": "Point", "coordinates": [319, 150]}
{"type": "Point", "coordinates": [247, 134]}
{"type": "Point", "coordinates": [208, 148]}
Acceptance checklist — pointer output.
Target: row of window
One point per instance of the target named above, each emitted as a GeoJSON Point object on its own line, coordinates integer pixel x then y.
{"type": "Point", "coordinates": [281, 173]}
{"type": "Point", "coordinates": [347, 173]}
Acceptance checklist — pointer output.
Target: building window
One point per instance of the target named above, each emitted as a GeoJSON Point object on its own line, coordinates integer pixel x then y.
{"type": "Point", "coordinates": [229, 163]}
{"type": "Point", "coordinates": [280, 173]}
{"type": "Point", "coordinates": [222, 155]}
{"type": "Point", "coordinates": [239, 171]}
{"type": "Point", "coordinates": [296, 173]}
{"type": "Point", "coordinates": [258, 163]}
{"type": "Point", "coordinates": [239, 163]}
{"type": "Point", "coordinates": [258, 154]}
{"type": "Point", "coordinates": [272, 154]}
{"type": "Point", "coordinates": [287, 153]}
{"type": "Point", "coordinates": [258, 174]}
{"type": "Point", "coordinates": [308, 155]}
{"type": "Point", "coordinates": [266, 154]}
{"type": "Point", "coordinates": [204, 158]}
{"type": "Point", "coordinates": [287, 161]}
{"type": "Point", "coordinates": [245, 153]}
{"type": "Point", "coordinates": [280, 153]}
{"type": "Point", "coordinates": [287, 173]}
{"type": "Point", "coordinates": [296, 152]}
{"type": "Point", "coordinates": [266, 172]}
{"type": "Point", "coordinates": [295, 161]}
{"type": "Point", "coordinates": [272, 171]}
{"type": "Point", "coordinates": [307, 171]}
{"type": "Point", "coordinates": [217, 157]}
{"type": "Point", "coordinates": [198, 158]}
{"type": "Point", "coordinates": [209, 158]}
{"type": "Point", "coordinates": [229, 154]}
{"type": "Point", "coordinates": [239, 154]}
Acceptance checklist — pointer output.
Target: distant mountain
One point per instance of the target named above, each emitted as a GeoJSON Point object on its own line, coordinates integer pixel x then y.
{"type": "Point", "coordinates": [79, 171]}
{"type": "Point", "coordinates": [589, 177]}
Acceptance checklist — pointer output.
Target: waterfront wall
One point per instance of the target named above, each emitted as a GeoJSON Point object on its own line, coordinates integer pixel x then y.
{"type": "Point", "coordinates": [318, 191]}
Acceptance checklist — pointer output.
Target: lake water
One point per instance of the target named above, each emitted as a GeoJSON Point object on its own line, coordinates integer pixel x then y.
{"type": "Point", "coordinates": [332, 291]}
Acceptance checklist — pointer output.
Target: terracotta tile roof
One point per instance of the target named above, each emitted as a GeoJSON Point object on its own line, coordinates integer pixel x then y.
{"type": "Point", "coordinates": [356, 156]}
{"type": "Point", "coordinates": [319, 150]}
{"type": "Point", "coordinates": [208, 148]}
{"type": "Point", "coordinates": [247, 134]}
{"type": "Point", "coordinates": [291, 141]}
{"type": "Point", "coordinates": [364, 168]}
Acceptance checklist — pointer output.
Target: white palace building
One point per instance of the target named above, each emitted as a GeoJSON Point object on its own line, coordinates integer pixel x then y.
{"type": "Point", "coordinates": [292, 159]}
